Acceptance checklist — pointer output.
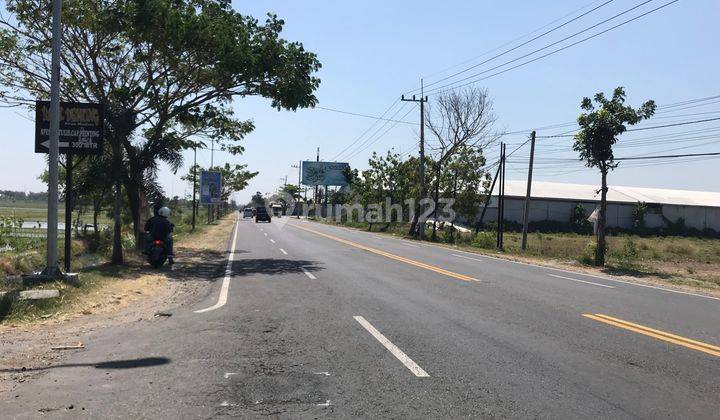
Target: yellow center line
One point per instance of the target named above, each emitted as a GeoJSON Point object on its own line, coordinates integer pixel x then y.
{"type": "Point", "coordinates": [657, 334]}
{"type": "Point", "coordinates": [389, 255]}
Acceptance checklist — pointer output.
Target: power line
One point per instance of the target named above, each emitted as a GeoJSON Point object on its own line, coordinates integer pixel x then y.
{"type": "Point", "coordinates": [554, 51]}
{"type": "Point", "coordinates": [673, 125]}
{"type": "Point", "coordinates": [366, 130]}
{"type": "Point", "coordinates": [640, 128]}
{"type": "Point", "coordinates": [379, 137]}
{"type": "Point", "coordinates": [364, 115]}
{"type": "Point", "coordinates": [669, 156]}
{"type": "Point", "coordinates": [369, 139]}
{"type": "Point", "coordinates": [521, 45]}
{"type": "Point", "coordinates": [507, 43]}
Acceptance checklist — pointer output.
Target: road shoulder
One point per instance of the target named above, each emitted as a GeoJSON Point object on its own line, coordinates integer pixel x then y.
{"type": "Point", "coordinates": [133, 293]}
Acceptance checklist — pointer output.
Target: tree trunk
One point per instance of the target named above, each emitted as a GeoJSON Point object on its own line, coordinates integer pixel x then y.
{"type": "Point", "coordinates": [452, 222]}
{"type": "Point", "coordinates": [117, 253]}
{"type": "Point", "coordinates": [133, 194]}
{"type": "Point", "coordinates": [437, 196]}
{"type": "Point", "coordinates": [600, 250]}
{"type": "Point", "coordinates": [96, 210]}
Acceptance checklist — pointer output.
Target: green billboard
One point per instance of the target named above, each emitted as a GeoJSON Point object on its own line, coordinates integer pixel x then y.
{"type": "Point", "coordinates": [324, 173]}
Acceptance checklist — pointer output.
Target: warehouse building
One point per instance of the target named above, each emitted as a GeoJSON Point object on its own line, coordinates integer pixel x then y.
{"type": "Point", "coordinates": [552, 201]}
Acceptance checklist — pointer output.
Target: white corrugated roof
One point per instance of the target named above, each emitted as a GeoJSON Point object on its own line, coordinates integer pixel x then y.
{"type": "Point", "coordinates": [584, 192]}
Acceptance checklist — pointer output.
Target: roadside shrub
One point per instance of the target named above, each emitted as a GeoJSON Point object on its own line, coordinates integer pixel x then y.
{"type": "Point", "coordinates": [588, 255]}
{"type": "Point", "coordinates": [628, 255]}
{"type": "Point", "coordinates": [128, 241]}
{"type": "Point", "coordinates": [638, 214]}
{"type": "Point", "coordinates": [484, 240]}
{"type": "Point", "coordinates": [684, 250]}
{"type": "Point", "coordinates": [578, 220]}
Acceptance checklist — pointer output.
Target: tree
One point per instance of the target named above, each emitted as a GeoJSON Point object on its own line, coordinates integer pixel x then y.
{"type": "Point", "coordinates": [599, 131]}
{"type": "Point", "coordinates": [466, 180]}
{"type": "Point", "coordinates": [166, 70]}
{"type": "Point", "coordinates": [458, 118]}
{"type": "Point", "coordinates": [234, 178]}
{"type": "Point", "coordinates": [257, 200]}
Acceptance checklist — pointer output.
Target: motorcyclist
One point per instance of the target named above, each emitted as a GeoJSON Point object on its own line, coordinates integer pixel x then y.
{"type": "Point", "coordinates": [160, 228]}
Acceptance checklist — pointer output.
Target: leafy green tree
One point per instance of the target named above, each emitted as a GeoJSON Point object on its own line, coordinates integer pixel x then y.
{"type": "Point", "coordinates": [166, 70]}
{"type": "Point", "coordinates": [257, 200]}
{"type": "Point", "coordinates": [235, 178]}
{"type": "Point", "coordinates": [465, 180]}
{"type": "Point", "coordinates": [599, 131]}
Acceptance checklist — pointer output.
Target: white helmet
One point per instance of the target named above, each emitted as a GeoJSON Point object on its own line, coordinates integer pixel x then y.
{"type": "Point", "coordinates": [164, 212]}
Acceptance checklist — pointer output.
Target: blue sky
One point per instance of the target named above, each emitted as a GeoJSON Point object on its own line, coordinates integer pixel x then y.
{"type": "Point", "coordinates": [373, 51]}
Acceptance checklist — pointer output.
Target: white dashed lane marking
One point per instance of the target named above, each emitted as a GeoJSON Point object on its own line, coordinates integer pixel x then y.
{"type": "Point", "coordinates": [392, 348]}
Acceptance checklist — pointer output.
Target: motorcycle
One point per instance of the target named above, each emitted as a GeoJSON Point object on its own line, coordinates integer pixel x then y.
{"type": "Point", "coordinates": [157, 254]}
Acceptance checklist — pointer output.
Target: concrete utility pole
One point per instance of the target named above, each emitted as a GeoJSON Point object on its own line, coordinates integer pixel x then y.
{"type": "Point", "coordinates": [420, 231]}
{"type": "Point", "coordinates": [68, 209]}
{"type": "Point", "coordinates": [298, 166]}
{"type": "Point", "coordinates": [194, 200]}
{"type": "Point", "coordinates": [501, 200]}
{"type": "Point", "coordinates": [51, 267]}
{"type": "Point", "coordinates": [315, 204]}
{"type": "Point", "coordinates": [526, 210]}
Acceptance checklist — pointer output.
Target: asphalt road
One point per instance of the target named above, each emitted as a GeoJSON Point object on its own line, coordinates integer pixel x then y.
{"type": "Point", "coordinates": [314, 321]}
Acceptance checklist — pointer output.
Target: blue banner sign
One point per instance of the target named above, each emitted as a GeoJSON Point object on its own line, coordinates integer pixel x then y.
{"type": "Point", "coordinates": [210, 187]}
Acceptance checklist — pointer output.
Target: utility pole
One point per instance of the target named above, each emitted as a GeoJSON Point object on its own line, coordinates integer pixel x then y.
{"type": "Point", "coordinates": [315, 204]}
{"type": "Point", "coordinates": [298, 166]}
{"type": "Point", "coordinates": [68, 209]}
{"type": "Point", "coordinates": [194, 200]}
{"type": "Point", "coordinates": [526, 212]}
{"type": "Point", "coordinates": [212, 157]}
{"type": "Point", "coordinates": [492, 188]}
{"type": "Point", "coordinates": [501, 199]}
{"type": "Point", "coordinates": [51, 267]}
{"type": "Point", "coordinates": [420, 232]}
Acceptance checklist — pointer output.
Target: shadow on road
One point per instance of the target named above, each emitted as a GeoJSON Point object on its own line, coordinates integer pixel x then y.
{"type": "Point", "coordinates": [272, 266]}
{"type": "Point", "coordinates": [113, 364]}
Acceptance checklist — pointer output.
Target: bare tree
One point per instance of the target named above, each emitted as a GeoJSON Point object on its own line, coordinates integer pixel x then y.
{"type": "Point", "coordinates": [458, 118]}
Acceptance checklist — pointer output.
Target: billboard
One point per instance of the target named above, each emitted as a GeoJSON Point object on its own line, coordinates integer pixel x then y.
{"type": "Point", "coordinates": [81, 128]}
{"type": "Point", "coordinates": [324, 173]}
{"type": "Point", "coordinates": [210, 187]}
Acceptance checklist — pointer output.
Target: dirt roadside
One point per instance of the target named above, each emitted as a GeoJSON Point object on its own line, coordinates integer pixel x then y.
{"type": "Point", "coordinates": [135, 293]}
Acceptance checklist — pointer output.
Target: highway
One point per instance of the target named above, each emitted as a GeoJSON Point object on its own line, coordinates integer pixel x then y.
{"type": "Point", "coordinates": [315, 321]}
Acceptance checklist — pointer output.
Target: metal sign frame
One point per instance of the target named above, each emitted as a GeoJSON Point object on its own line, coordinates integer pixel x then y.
{"type": "Point", "coordinates": [82, 128]}
{"type": "Point", "coordinates": [323, 173]}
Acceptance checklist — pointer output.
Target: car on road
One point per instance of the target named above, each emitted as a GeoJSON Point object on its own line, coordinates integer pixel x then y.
{"type": "Point", "coordinates": [261, 214]}
{"type": "Point", "coordinates": [248, 212]}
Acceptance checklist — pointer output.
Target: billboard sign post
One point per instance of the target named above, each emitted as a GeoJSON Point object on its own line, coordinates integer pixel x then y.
{"type": "Point", "coordinates": [210, 187]}
{"type": "Point", "coordinates": [81, 128]}
{"type": "Point", "coordinates": [324, 173]}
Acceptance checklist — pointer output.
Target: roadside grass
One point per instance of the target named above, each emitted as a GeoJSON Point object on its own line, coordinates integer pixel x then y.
{"type": "Point", "coordinates": [684, 261]}
{"type": "Point", "coordinates": [103, 286]}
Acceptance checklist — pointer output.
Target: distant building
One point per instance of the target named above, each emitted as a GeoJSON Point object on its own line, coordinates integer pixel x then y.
{"type": "Point", "coordinates": [554, 201]}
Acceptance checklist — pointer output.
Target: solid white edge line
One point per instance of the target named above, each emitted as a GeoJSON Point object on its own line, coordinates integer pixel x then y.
{"type": "Point", "coordinates": [309, 274]}
{"type": "Point", "coordinates": [392, 348]}
{"type": "Point", "coordinates": [581, 281]}
{"type": "Point", "coordinates": [283, 251]}
{"type": "Point", "coordinates": [222, 299]}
